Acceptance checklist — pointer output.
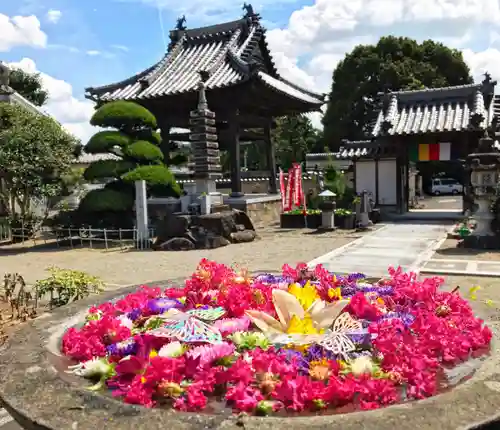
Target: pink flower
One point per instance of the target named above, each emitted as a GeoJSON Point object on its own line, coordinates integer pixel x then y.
{"type": "Point", "coordinates": [229, 326]}
{"type": "Point", "coordinates": [207, 354]}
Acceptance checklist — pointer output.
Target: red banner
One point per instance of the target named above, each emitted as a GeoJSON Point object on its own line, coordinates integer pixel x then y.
{"type": "Point", "coordinates": [297, 182]}
{"type": "Point", "coordinates": [290, 186]}
{"type": "Point", "coordinates": [282, 190]}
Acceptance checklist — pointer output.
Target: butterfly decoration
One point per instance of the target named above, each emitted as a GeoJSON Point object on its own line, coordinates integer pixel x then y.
{"type": "Point", "coordinates": [207, 314]}
{"type": "Point", "coordinates": [189, 327]}
{"type": "Point", "coordinates": [336, 339]}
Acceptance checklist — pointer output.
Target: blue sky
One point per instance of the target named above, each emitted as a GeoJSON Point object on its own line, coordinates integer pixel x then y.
{"type": "Point", "coordinates": [80, 43]}
{"type": "Point", "coordinates": [98, 42]}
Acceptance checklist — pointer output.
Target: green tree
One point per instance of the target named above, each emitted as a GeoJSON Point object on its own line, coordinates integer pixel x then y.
{"type": "Point", "coordinates": [29, 85]}
{"type": "Point", "coordinates": [293, 137]}
{"type": "Point", "coordinates": [35, 153]}
{"type": "Point", "coordinates": [394, 63]}
{"type": "Point", "coordinates": [135, 145]}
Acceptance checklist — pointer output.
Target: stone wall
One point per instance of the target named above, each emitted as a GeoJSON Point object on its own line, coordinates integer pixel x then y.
{"type": "Point", "coordinates": [264, 213]}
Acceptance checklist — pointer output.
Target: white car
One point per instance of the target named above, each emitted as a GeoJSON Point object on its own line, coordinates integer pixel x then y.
{"type": "Point", "coordinates": [446, 186]}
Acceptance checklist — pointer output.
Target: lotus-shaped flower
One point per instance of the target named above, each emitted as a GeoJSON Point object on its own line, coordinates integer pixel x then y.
{"type": "Point", "coordinates": [301, 325]}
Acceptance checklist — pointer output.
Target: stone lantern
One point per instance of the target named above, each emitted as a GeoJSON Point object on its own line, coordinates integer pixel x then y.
{"type": "Point", "coordinates": [327, 206]}
{"type": "Point", "coordinates": [484, 167]}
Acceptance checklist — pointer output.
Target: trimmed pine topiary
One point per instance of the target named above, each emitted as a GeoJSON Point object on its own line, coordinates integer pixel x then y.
{"type": "Point", "coordinates": [123, 115]}
{"type": "Point", "coordinates": [107, 169]}
{"type": "Point", "coordinates": [142, 150]}
{"type": "Point", "coordinates": [140, 157]}
{"type": "Point", "coordinates": [105, 141]}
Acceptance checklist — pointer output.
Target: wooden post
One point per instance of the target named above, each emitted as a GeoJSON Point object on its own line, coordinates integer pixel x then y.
{"type": "Point", "coordinates": [234, 150]}
{"type": "Point", "coordinates": [271, 160]}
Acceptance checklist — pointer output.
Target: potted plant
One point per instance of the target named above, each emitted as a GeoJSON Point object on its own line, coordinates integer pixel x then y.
{"type": "Point", "coordinates": [344, 219]}
{"type": "Point", "coordinates": [295, 218]}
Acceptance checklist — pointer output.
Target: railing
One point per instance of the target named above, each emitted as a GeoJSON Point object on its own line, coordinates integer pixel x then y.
{"type": "Point", "coordinates": [76, 237]}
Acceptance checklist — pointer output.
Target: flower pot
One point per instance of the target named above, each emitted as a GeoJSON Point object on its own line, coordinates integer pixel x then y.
{"type": "Point", "coordinates": [348, 222]}
{"type": "Point", "coordinates": [298, 221]}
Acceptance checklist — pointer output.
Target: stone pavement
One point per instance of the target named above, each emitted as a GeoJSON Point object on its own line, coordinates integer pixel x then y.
{"type": "Point", "coordinates": [461, 267]}
{"type": "Point", "coordinates": [405, 244]}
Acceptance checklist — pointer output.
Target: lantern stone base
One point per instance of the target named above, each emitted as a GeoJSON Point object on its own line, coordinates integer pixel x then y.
{"type": "Point", "coordinates": [481, 242]}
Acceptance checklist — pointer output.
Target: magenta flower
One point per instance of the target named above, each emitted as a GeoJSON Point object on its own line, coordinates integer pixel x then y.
{"type": "Point", "coordinates": [229, 326]}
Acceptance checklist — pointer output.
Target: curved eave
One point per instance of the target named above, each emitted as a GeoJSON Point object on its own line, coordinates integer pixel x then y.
{"type": "Point", "coordinates": [292, 91]}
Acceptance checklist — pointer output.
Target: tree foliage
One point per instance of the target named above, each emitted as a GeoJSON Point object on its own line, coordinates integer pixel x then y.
{"type": "Point", "coordinates": [35, 155]}
{"type": "Point", "coordinates": [394, 63]}
{"type": "Point", "coordinates": [29, 85]}
{"type": "Point", "coordinates": [293, 137]}
{"type": "Point", "coordinates": [137, 156]}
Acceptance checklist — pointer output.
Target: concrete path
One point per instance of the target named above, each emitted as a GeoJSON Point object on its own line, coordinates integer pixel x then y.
{"type": "Point", "coordinates": [400, 244]}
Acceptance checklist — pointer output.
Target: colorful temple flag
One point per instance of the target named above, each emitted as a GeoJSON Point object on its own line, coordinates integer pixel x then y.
{"type": "Point", "coordinates": [431, 152]}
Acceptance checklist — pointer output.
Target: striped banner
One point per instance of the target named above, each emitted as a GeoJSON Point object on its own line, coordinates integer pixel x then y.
{"type": "Point", "coordinates": [431, 152]}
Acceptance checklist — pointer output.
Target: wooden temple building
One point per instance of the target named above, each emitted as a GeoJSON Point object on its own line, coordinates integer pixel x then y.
{"type": "Point", "coordinates": [243, 87]}
{"type": "Point", "coordinates": [442, 124]}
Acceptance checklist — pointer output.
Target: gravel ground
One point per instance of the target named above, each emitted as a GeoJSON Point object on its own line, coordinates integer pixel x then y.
{"type": "Point", "coordinates": [449, 251]}
{"type": "Point", "coordinates": [273, 248]}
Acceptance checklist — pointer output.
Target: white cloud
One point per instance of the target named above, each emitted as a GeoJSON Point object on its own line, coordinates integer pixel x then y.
{"type": "Point", "coordinates": [93, 52]}
{"type": "Point", "coordinates": [317, 37]}
{"type": "Point", "coordinates": [72, 113]}
{"type": "Point", "coordinates": [120, 48]}
{"type": "Point", "coordinates": [54, 16]}
{"type": "Point", "coordinates": [21, 31]}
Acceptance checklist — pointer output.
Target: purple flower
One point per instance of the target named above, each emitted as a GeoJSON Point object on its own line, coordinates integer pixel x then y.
{"type": "Point", "coordinates": [158, 306]}
{"type": "Point", "coordinates": [123, 348]}
{"type": "Point", "coordinates": [406, 318]}
{"type": "Point", "coordinates": [134, 315]}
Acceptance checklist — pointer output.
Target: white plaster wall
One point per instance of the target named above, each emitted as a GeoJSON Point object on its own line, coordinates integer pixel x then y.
{"type": "Point", "coordinates": [365, 177]}
{"type": "Point", "coordinates": [387, 178]}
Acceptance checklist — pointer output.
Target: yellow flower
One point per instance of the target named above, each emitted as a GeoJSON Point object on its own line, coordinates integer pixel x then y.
{"type": "Point", "coordinates": [153, 353]}
{"type": "Point", "coordinates": [306, 295]}
{"type": "Point", "coordinates": [489, 302]}
{"type": "Point", "coordinates": [473, 291]}
{"type": "Point", "coordinates": [335, 293]}
{"type": "Point", "coordinates": [298, 326]}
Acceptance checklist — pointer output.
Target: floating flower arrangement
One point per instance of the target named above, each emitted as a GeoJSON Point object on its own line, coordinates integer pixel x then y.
{"type": "Point", "coordinates": [300, 342]}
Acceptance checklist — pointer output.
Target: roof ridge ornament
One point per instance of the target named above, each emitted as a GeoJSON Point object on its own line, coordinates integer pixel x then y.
{"type": "Point", "coordinates": [181, 23]}
{"type": "Point", "coordinates": [249, 12]}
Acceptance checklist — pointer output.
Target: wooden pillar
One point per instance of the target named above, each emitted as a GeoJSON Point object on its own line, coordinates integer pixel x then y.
{"type": "Point", "coordinates": [376, 180]}
{"type": "Point", "coordinates": [165, 140]}
{"type": "Point", "coordinates": [235, 154]}
{"type": "Point", "coordinates": [271, 160]}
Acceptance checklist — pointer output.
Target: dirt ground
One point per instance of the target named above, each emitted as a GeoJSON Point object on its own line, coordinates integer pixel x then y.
{"type": "Point", "coordinates": [273, 248]}
{"type": "Point", "coordinates": [450, 251]}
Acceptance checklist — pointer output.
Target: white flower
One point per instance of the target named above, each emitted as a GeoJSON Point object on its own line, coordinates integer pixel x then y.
{"type": "Point", "coordinates": [96, 367]}
{"type": "Point", "coordinates": [362, 365]}
{"type": "Point", "coordinates": [172, 349]}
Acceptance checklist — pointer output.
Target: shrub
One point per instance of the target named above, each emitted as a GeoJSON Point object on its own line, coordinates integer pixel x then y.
{"type": "Point", "coordinates": [106, 199]}
{"type": "Point", "coordinates": [65, 286]}
{"type": "Point", "coordinates": [155, 176]}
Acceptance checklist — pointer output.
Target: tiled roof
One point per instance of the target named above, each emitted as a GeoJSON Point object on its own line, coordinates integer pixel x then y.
{"type": "Point", "coordinates": [446, 109]}
{"type": "Point", "coordinates": [355, 149]}
{"type": "Point", "coordinates": [225, 51]}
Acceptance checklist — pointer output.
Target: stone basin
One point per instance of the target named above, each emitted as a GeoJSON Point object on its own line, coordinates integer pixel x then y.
{"type": "Point", "coordinates": [37, 394]}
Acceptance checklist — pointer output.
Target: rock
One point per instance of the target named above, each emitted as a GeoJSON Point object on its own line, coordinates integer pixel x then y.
{"type": "Point", "coordinates": [216, 242]}
{"type": "Point", "coordinates": [243, 236]}
{"type": "Point", "coordinates": [242, 218]}
{"type": "Point", "coordinates": [240, 227]}
{"type": "Point", "coordinates": [176, 244]}
{"type": "Point", "coordinates": [174, 225]}
{"type": "Point", "coordinates": [219, 224]}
